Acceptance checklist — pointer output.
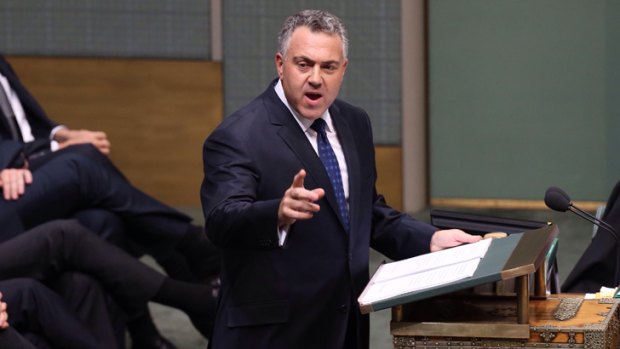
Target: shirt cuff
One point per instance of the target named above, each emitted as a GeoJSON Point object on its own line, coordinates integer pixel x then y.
{"type": "Point", "coordinates": [282, 233]}
{"type": "Point", "coordinates": [56, 129]}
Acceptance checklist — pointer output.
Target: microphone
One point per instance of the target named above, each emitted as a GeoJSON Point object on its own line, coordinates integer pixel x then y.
{"type": "Point", "coordinates": [557, 200]}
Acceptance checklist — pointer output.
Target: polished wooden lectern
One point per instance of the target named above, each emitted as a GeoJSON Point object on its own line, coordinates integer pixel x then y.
{"type": "Point", "coordinates": [456, 315]}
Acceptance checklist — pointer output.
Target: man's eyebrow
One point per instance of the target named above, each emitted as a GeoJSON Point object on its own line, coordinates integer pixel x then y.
{"type": "Point", "coordinates": [302, 58]}
{"type": "Point", "coordinates": [309, 60]}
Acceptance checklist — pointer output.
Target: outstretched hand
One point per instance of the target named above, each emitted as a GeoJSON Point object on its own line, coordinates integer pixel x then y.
{"type": "Point", "coordinates": [298, 202]}
{"type": "Point", "coordinates": [443, 239]}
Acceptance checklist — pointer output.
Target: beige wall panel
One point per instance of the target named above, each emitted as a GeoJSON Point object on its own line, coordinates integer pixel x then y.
{"type": "Point", "coordinates": [156, 113]}
{"type": "Point", "coordinates": [390, 174]}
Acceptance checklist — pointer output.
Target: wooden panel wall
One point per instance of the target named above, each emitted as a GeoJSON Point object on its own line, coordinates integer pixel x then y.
{"type": "Point", "coordinates": [157, 114]}
{"type": "Point", "coordinates": [390, 174]}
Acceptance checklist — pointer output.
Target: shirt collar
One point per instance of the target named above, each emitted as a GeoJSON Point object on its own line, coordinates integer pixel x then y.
{"type": "Point", "coordinates": [304, 123]}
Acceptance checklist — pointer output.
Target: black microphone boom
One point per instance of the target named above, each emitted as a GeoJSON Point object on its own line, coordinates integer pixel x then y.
{"type": "Point", "coordinates": [557, 200]}
{"type": "Point", "coordinates": [576, 210]}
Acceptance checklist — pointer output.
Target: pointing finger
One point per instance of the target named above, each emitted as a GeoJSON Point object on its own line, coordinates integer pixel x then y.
{"type": "Point", "coordinates": [298, 181]}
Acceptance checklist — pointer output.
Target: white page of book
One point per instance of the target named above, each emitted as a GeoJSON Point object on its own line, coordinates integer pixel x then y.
{"type": "Point", "coordinates": [415, 282]}
{"type": "Point", "coordinates": [433, 260]}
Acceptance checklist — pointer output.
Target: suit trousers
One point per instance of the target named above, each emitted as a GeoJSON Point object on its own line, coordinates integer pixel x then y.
{"type": "Point", "coordinates": [80, 177]}
{"type": "Point", "coordinates": [11, 339]}
{"type": "Point", "coordinates": [44, 317]}
{"type": "Point", "coordinates": [48, 250]}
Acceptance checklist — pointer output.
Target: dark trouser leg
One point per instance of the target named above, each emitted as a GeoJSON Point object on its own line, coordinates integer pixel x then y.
{"type": "Point", "coordinates": [34, 308]}
{"type": "Point", "coordinates": [87, 179]}
{"type": "Point", "coordinates": [52, 248]}
{"type": "Point", "coordinates": [11, 339]}
{"type": "Point", "coordinates": [76, 180]}
{"type": "Point", "coordinates": [84, 178]}
{"type": "Point", "coordinates": [93, 306]}
{"type": "Point", "coordinates": [109, 227]}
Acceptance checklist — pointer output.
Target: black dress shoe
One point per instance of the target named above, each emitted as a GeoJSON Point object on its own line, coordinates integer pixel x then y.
{"type": "Point", "coordinates": [153, 343]}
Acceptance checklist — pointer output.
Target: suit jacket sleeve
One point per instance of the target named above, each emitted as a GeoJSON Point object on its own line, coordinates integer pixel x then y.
{"type": "Point", "coordinates": [233, 215]}
{"type": "Point", "coordinates": [11, 154]}
{"type": "Point", "coordinates": [393, 233]}
{"type": "Point", "coordinates": [397, 235]}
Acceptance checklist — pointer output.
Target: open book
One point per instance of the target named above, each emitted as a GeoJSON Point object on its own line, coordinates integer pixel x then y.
{"type": "Point", "coordinates": [425, 271]}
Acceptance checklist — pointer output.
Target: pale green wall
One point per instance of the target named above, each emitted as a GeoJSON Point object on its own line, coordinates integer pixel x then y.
{"type": "Point", "coordinates": [524, 95]}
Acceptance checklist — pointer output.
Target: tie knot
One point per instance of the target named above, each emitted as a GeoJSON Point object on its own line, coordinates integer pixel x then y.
{"type": "Point", "coordinates": [319, 125]}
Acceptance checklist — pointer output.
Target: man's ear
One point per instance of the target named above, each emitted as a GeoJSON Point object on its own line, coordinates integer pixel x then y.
{"type": "Point", "coordinates": [344, 66]}
{"type": "Point", "coordinates": [279, 60]}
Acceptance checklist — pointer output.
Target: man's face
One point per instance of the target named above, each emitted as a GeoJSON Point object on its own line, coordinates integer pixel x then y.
{"type": "Point", "coordinates": [312, 71]}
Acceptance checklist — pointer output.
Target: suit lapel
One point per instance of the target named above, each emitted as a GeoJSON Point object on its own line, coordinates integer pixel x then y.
{"type": "Point", "coordinates": [15, 85]}
{"type": "Point", "coordinates": [298, 143]}
{"type": "Point", "coordinates": [3, 120]}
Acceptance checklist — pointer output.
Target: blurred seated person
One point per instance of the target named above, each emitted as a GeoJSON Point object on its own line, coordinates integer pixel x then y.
{"type": "Point", "coordinates": [50, 171]}
{"type": "Point", "coordinates": [50, 252]}
{"type": "Point", "coordinates": [600, 263]}
{"type": "Point", "coordinates": [9, 338]}
{"type": "Point", "coordinates": [26, 121]}
{"type": "Point", "coordinates": [44, 318]}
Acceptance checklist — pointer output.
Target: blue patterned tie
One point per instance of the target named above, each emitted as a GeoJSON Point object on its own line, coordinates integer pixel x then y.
{"type": "Point", "coordinates": [328, 157]}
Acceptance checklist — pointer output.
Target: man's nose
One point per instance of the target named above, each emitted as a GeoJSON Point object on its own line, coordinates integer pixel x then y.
{"type": "Point", "coordinates": [315, 76]}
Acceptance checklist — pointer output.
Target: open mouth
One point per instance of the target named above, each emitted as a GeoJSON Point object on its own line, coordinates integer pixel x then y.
{"type": "Point", "coordinates": [313, 96]}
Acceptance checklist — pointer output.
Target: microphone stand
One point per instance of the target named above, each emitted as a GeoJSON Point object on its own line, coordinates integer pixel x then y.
{"type": "Point", "coordinates": [588, 217]}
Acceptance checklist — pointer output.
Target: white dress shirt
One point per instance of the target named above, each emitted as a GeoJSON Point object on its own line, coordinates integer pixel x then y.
{"type": "Point", "coordinates": [20, 115]}
{"type": "Point", "coordinates": [332, 136]}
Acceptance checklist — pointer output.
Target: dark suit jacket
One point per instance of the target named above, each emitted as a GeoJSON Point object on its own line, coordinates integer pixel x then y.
{"type": "Point", "coordinates": [600, 263]}
{"type": "Point", "coordinates": [298, 295]}
{"type": "Point", "coordinates": [40, 124]}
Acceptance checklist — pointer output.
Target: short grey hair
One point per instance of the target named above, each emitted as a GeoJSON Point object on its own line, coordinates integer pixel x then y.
{"type": "Point", "coordinates": [317, 21]}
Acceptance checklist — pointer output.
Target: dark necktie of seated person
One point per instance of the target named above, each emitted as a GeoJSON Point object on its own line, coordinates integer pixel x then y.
{"type": "Point", "coordinates": [5, 106]}
{"type": "Point", "coordinates": [328, 157]}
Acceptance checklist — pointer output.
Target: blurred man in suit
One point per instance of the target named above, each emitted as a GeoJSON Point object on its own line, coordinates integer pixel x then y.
{"type": "Point", "coordinates": [48, 171]}
{"type": "Point", "coordinates": [600, 263]}
{"type": "Point", "coordinates": [9, 338]}
{"type": "Point", "coordinates": [51, 251]}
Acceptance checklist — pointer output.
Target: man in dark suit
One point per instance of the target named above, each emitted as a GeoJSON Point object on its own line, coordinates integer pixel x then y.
{"type": "Point", "coordinates": [295, 233]}
{"type": "Point", "coordinates": [50, 251]}
{"type": "Point", "coordinates": [29, 122]}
